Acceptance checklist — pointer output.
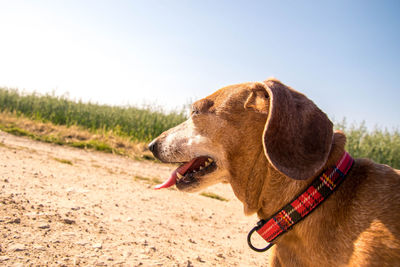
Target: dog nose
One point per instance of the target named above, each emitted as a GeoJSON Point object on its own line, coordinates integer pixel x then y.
{"type": "Point", "coordinates": [153, 146]}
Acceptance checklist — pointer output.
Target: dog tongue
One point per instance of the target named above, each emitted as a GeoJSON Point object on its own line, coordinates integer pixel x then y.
{"type": "Point", "coordinates": [172, 180]}
{"type": "Point", "coordinates": [169, 182]}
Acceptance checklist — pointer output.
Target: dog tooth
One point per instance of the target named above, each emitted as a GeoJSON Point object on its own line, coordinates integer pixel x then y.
{"type": "Point", "coordinates": [210, 160]}
{"type": "Point", "coordinates": [201, 167]}
{"type": "Point", "coordinates": [179, 175]}
{"type": "Point", "coordinates": [206, 164]}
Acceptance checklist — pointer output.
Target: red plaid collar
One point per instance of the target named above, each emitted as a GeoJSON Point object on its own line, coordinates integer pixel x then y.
{"type": "Point", "coordinates": [319, 190]}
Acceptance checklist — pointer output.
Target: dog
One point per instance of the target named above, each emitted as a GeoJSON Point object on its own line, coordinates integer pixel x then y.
{"type": "Point", "coordinates": [270, 142]}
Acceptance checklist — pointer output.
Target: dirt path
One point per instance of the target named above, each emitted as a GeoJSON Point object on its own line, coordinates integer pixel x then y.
{"type": "Point", "coordinates": [62, 206]}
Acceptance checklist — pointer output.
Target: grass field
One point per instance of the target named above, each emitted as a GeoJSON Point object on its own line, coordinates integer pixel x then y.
{"type": "Point", "coordinates": [125, 130]}
{"type": "Point", "coordinates": [383, 146]}
{"type": "Point", "coordinates": [137, 124]}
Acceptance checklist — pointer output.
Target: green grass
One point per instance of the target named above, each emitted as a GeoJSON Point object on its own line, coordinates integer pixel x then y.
{"type": "Point", "coordinates": [94, 144]}
{"type": "Point", "coordinates": [213, 196]}
{"type": "Point", "coordinates": [64, 161]}
{"type": "Point", "coordinates": [139, 124]}
{"type": "Point", "coordinates": [87, 144]}
{"type": "Point", "coordinates": [382, 146]}
{"type": "Point", "coordinates": [16, 131]}
{"type": "Point", "coordinates": [151, 181]}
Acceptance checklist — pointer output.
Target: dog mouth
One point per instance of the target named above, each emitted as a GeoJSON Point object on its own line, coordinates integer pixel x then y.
{"type": "Point", "coordinates": [189, 174]}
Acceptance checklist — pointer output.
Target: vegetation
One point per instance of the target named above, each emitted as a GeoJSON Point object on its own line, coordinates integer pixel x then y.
{"type": "Point", "coordinates": [382, 146]}
{"type": "Point", "coordinates": [151, 181]}
{"type": "Point", "coordinates": [124, 130]}
{"type": "Point", "coordinates": [65, 161]}
{"type": "Point", "coordinates": [137, 124]}
{"type": "Point", "coordinates": [74, 136]}
{"type": "Point", "coordinates": [213, 196]}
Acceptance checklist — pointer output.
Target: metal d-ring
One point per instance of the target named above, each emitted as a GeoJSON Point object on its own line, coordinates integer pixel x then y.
{"type": "Point", "coordinates": [251, 245]}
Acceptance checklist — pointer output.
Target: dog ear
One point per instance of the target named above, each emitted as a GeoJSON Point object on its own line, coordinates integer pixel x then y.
{"type": "Point", "coordinates": [258, 99]}
{"type": "Point", "coordinates": [298, 136]}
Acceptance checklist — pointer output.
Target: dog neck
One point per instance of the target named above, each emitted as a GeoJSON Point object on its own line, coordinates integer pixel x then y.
{"type": "Point", "coordinates": [287, 188]}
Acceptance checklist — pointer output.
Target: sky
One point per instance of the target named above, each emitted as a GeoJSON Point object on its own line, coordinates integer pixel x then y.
{"type": "Point", "coordinates": [344, 55]}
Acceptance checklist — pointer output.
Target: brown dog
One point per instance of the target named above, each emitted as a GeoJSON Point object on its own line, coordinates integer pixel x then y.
{"type": "Point", "coordinates": [270, 142]}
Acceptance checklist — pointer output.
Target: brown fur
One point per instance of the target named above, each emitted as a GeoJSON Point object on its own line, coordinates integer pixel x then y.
{"type": "Point", "coordinates": [270, 143]}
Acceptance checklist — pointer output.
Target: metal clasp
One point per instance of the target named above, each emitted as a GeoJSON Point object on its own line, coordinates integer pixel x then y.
{"type": "Point", "coordinates": [249, 240]}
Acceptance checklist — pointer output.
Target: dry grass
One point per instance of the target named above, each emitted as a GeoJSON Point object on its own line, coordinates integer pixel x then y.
{"type": "Point", "coordinates": [151, 181]}
{"type": "Point", "coordinates": [64, 161]}
{"type": "Point", "coordinates": [213, 196]}
{"type": "Point", "coordinates": [74, 136]}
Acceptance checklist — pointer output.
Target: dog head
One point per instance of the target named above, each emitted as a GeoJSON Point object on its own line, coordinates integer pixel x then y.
{"type": "Point", "coordinates": [233, 132]}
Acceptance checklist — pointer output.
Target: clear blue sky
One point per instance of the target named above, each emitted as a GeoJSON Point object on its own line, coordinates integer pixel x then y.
{"type": "Point", "coordinates": [344, 55]}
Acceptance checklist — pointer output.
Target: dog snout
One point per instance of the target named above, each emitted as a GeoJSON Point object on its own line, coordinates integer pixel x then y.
{"type": "Point", "coordinates": [153, 147]}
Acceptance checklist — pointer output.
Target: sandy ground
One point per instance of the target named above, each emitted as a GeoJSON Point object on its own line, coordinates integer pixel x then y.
{"type": "Point", "coordinates": [61, 206]}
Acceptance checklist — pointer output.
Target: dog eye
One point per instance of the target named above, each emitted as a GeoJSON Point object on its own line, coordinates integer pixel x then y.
{"type": "Point", "coordinates": [195, 112]}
